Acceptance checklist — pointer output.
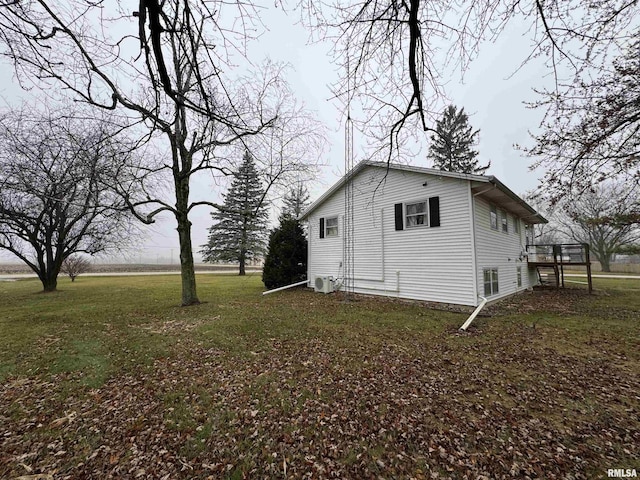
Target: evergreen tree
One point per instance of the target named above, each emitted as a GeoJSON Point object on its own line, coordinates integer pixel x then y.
{"type": "Point", "coordinates": [286, 260]}
{"type": "Point", "coordinates": [296, 201]}
{"type": "Point", "coordinates": [452, 145]}
{"type": "Point", "coordinates": [239, 232]}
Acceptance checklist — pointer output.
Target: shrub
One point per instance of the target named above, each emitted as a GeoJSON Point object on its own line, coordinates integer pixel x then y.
{"type": "Point", "coordinates": [286, 260]}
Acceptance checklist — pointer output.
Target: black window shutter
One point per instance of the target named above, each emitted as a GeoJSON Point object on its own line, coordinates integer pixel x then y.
{"type": "Point", "coordinates": [434, 211]}
{"type": "Point", "coordinates": [322, 227]}
{"type": "Point", "coordinates": [399, 221]}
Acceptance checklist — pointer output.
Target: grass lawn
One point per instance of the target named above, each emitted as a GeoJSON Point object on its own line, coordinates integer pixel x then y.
{"type": "Point", "coordinates": [109, 378]}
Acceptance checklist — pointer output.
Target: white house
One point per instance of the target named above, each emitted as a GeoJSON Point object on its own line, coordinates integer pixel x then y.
{"type": "Point", "coordinates": [421, 234]}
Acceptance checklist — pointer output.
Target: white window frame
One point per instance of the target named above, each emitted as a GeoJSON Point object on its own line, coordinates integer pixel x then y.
{"type": "Point", "coordinates": [493, 217]}
{"type": "Point", "coordinates": [504, 221]}
{"type": "Point", "coordinates": [424, 214]}
{"type": "Point", "coordinates": [516, 224]}
{"type": "Point", "coordinates": [331, 230]}
{"type": "Point", "coordinates": [494, 286]}
{"type": "Point", "coordinates": [519, 277]}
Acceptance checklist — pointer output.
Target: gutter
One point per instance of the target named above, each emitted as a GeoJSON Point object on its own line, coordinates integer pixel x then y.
{"type": "Point", "coordinates": [493, 180]}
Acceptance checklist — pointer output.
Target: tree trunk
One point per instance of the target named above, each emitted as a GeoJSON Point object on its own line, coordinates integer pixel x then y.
{"type": "Point", "coordinates": [49, 282]}
{"type": "Point", "coordinates": [242, 262]}
{"type": "Point", "coordinates": [603, 256]}
{"type": "Point", "coordinates": [187, 269]}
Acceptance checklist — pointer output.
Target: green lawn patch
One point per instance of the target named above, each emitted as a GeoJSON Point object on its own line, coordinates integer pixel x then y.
{"type": "Point", "coordinates": [110, 378]}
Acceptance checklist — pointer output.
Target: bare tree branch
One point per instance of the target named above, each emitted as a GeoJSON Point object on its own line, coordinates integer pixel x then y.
{"type": "Point", "coordinates": [56, 198]}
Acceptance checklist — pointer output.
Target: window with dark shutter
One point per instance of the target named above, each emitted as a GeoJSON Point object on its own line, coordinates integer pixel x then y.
{"type": "Point", "coordinates": [322, 227]}
{"type": "Point", "coordinates": [434, 211]}
{"type": "Point", "coordinates": [331, 227]}
{"type": "Point", "coordinates": [399, 220]}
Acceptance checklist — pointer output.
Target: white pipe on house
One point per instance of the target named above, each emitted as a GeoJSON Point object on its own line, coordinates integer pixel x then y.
{"type": "Point", "coordinates": [474, 314]}
{"type": "Point", "coordinates": [383, 289]}
{"type": "Point", "coordinates": [285, 287]}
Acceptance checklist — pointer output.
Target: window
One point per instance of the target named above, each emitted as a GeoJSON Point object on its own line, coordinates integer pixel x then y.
{"type": "Point", "coordinates": [331, 227]}
{"type": "Point", "coordinates": [516, 224]}
{"type": "Point", "coordinates": [519, 276]}
{"type": "Point", "coordinates": [490, 281]}
{"type": "Point", "coordinates": [416, 214]}
{"type": "Point", "coordinates": [408, 215]}
{"type": "Point", "coordinates": [493, 216]}
{"type": "Point", "coordinates": [504, 222]}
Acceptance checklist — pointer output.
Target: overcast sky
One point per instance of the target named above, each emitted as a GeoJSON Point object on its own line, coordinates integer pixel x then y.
{"type": "Point", "coordinates": [492, 94]}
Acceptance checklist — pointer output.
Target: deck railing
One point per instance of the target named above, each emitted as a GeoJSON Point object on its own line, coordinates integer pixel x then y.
{"type": "Point", "coordinates": [559, 253]}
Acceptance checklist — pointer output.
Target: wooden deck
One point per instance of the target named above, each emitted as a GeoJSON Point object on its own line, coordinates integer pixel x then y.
{"type": "Point", "coordinates": [553, 258]}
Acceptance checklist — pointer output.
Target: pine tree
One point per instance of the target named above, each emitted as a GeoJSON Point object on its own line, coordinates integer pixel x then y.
{"type": "Point", "coordinates": [451, 147]}
{"type": "Point", "coordinates": [296, 201]}
{"type": "Point", "coordinates": [286, 260]}
{"type": "Point", "coordinates": [239, 232]}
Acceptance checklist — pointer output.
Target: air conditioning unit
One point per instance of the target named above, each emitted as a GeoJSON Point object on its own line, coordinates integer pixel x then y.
{"type": "Point", "coordinates": [323, 283]}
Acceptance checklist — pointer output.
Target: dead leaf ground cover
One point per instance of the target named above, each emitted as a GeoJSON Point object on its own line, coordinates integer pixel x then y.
{"type": "Point", "coordinates": [109, 379]}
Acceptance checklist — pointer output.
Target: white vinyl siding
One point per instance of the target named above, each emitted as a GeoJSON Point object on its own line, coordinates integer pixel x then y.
{"type": "Point", "coordinates": [325, 254]}
{"type": "Point", "coordinates": [495, 250]}
{"type": "Point", "coordinates": [430, 264]}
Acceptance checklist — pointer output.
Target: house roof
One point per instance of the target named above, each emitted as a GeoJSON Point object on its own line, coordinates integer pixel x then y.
{"type": "Point", "coordinates": [484, 186]}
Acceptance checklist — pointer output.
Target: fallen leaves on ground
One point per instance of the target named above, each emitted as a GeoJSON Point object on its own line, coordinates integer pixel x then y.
{"type": "Point", "coordinates": [499, 405]}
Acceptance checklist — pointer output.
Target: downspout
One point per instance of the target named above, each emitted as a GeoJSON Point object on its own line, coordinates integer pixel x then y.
{"type": "Point", "coordinates": [474, 315]}
{"type": "Point", "coordinates": [309, 242]}
{"type": "Point", "coordinates": [474, 259]}
{"type": "Point", "coordinates": [304, 282]}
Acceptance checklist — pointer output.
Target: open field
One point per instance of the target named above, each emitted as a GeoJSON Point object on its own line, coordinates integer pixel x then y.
{"type": "Point", "coordinates": [109, 378]}
{"type": "Point", "coordinates": [20, 268]}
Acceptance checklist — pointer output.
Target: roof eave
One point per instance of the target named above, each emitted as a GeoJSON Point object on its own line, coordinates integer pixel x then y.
{"type": "Point", "coordinates": [532, 217]}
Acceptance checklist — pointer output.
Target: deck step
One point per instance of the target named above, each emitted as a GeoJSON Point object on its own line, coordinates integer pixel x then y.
{"type": "Point", "coordinates": [548, 275]}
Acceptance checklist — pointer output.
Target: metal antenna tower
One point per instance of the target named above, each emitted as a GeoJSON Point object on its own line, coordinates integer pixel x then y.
{"type": "Point", "coordinates": [348, 237]}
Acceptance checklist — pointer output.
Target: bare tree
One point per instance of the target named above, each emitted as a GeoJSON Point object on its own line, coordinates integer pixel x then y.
{"type": "Point", "coordinates": [591, 131]}
{"type": "Point", "coordinates": [177, 85]}
{"type": "Point", "coordinates": [607, 217]}
{"type": "Point", "coordinates": [543, 233]}
{"type": "Point", "coordinates": [396, 56]}
{"type": "Point", "coordinates": [55, 199]}
{"type": "Point", "coordinates": [74, 265]}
